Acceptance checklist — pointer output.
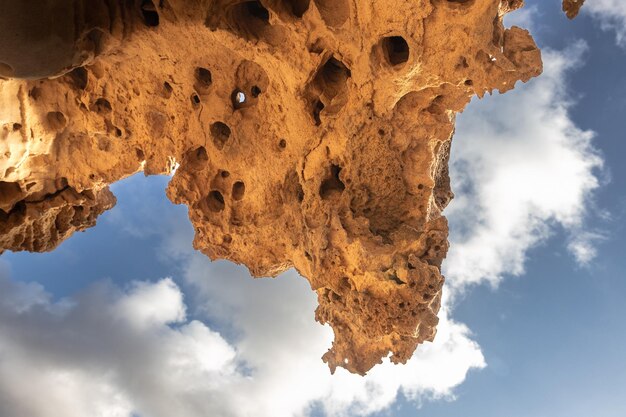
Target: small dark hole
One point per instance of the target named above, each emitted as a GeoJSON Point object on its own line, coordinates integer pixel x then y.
{"type": "Point", "coordinates": [333, 184]}
{"type": "Point", "coordinates": [282, 144]}
{"type": "Point", "coordinates": [102, 105]}
{"type": "Point", "coordinates": [220, 133]}
{"type": "Point", "coordinates": [396, 50]}
{"type": "Point", "coordinates": [215, 201]}
{"type": "Point", "coordinates": [255, 91]}
{"type": "Point", "coordinates": [299, 7]}
{"type": "Point", "coordinates": [317, 109]}
{"type": "Point", "coordinates": [225, 174]}
{"type": "Point", "coordinates": [381, 132]}
{"type": "Point", "coordinates": [469, 82]}
{"type": "Point", "coordinates": [149, 13]}
{"type": "Point", "coordinates": [79, 77]}
{"type": "Point", "coordinates": [195, 99]}
{"type": "Point", "coordinates": [256, 9]}
{"type": "Point", "coordinates": [17, 126]}
{"type": "Point", "coordinates": [239, 189]}
{"type": "Point", "coordinates": [35, 93]}
{"type": "Point", "coordinates": [140, 155]}
{"type": "Point", "coordinates": [204, 77]}
{"type": "Point", "coordinates": [167, 90]}
{"type": "Point", "coordinates": [57, 120]}
{"type": "Point", "coordinates": [300, 193]}
{"type": "Point", "coordinates": [118, 132]}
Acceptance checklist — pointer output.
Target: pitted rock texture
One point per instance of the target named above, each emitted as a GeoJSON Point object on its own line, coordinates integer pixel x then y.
{"type": "Point", "coordinates": [572, 7]}
{"type": "Point", "coordinates": [308, 134]}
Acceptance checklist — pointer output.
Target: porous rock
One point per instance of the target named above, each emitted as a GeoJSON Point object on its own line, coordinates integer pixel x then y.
{"type": "Point", "coordinates": [312, 134]}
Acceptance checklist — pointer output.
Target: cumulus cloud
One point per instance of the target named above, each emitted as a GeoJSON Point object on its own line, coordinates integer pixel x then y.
{"type": "Point", "coordinates": [520, 168]}
{"type": "Point", "coordinates": [612, 16]}
{"type": "Point", "coordinates": [120, 353]}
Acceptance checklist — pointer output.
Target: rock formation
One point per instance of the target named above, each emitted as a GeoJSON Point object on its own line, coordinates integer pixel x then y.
{"type": "Point", "coordinates": [312, 134]}
{"type": "Point", "coordinates": [572, 7]}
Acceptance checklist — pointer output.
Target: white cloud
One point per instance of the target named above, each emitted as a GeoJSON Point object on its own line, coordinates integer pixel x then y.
{"type": "Point", "coordinates": [111, 353]}
{"type": "Point", "coordinates": [520, 167]}
{"type": "Point", "coordinates": [583, 246]}
{"type": "Point", "coordinates": [612, 16]}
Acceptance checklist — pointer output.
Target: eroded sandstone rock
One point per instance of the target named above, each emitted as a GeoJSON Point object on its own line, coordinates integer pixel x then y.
{"type": "Point", "coordinates": [572, 7]}
{"type": "Point", "coordinates": [310, 134]}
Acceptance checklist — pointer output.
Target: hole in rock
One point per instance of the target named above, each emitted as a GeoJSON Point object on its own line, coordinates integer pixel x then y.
{"type": "Point", "coordinates": [332, 185]}
{"type": "Point", "coordinates": [298, 7]}
{"type": "Point", "coordinates": [56, 120]}
{"type": "Point", "coordinates": [332, 77]}
{"type": "Point", "coordinates": [102, 105]}
{"type": "Point", "coordinates": [79, 77]}
{"type": "Point", "coordinates": [35, 93]}
{"type": "Point", "coordinates": [282, 144]}
{"type": "Point", "coordinates": [149, 13]}
{"type": "Point", "coordinates": [333, 12]}
{"type": "Point", "coordinates": [17, 126]}
{"type": "Point", "coordinates": [239, 189]}
{"type": "Point", "coordinates": [317, 109]}
{"type": "Point", "coordinates": [239, 99]}
{"type": "Point", "coordinates": [249, 19]}
{"type": "Point", "coordinates": [255, 91]}
{"type": "Point", "coordinates": [220, 132]}
{"type": "Point", "coordinates": [328, 90]}
{"type": "Point", "coordinates": [204, 78]}
{"type": "Point", "coordinates": [9, 192]}
{"type": "Point", "coordinates": [167, 90]}
{"type": "Point", "coordinates": [225, 174]}
{"type": "Point", "coordinates": [257, 10]}
{"type": "Point", "coordinates": [299, 193]}
{"type": "Point", "coordinates": [215, 201]}
{"type": "Point", "coordinates": [396, 50]}
{"type": "Point", "coordinates": [196, 159]}
{"type": "Point", "coordinates": [195, 100]}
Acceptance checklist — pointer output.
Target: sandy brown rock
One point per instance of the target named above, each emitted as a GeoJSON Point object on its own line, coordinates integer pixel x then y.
{"type": "Point", "coordinates": [310, 134]}
{"type": "Point", "coordinates": [572, 7]}
{"type": "Point", "coordinates": [40, 226]}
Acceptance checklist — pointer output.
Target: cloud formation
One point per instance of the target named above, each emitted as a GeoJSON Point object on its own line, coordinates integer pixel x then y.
{"type": "Point", "coordinates": [520, 168]}
{"type": "Point", "coordinates": [114, 353]}
{"type": "Point", "coordinates": [612, 16]}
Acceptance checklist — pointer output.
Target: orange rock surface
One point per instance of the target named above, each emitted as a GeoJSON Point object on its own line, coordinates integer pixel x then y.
{"type": "Point", "coordinates": [572, 7]}
{"type": "Point", "coordinates": [312, 134]}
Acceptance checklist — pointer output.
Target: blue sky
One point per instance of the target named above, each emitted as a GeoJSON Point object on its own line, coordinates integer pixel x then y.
{"type": "Point", "coordinates": [128, 319]}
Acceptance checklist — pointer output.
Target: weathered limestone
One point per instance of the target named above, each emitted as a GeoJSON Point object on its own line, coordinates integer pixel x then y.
{"type": "Point", "coordinates": [310, 134]}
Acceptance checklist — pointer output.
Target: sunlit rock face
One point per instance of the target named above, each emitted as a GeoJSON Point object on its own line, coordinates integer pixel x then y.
{"type": "Point", "coordinates": [308, 134]}
{"type": "Point", "coordinates": [572, 7]}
